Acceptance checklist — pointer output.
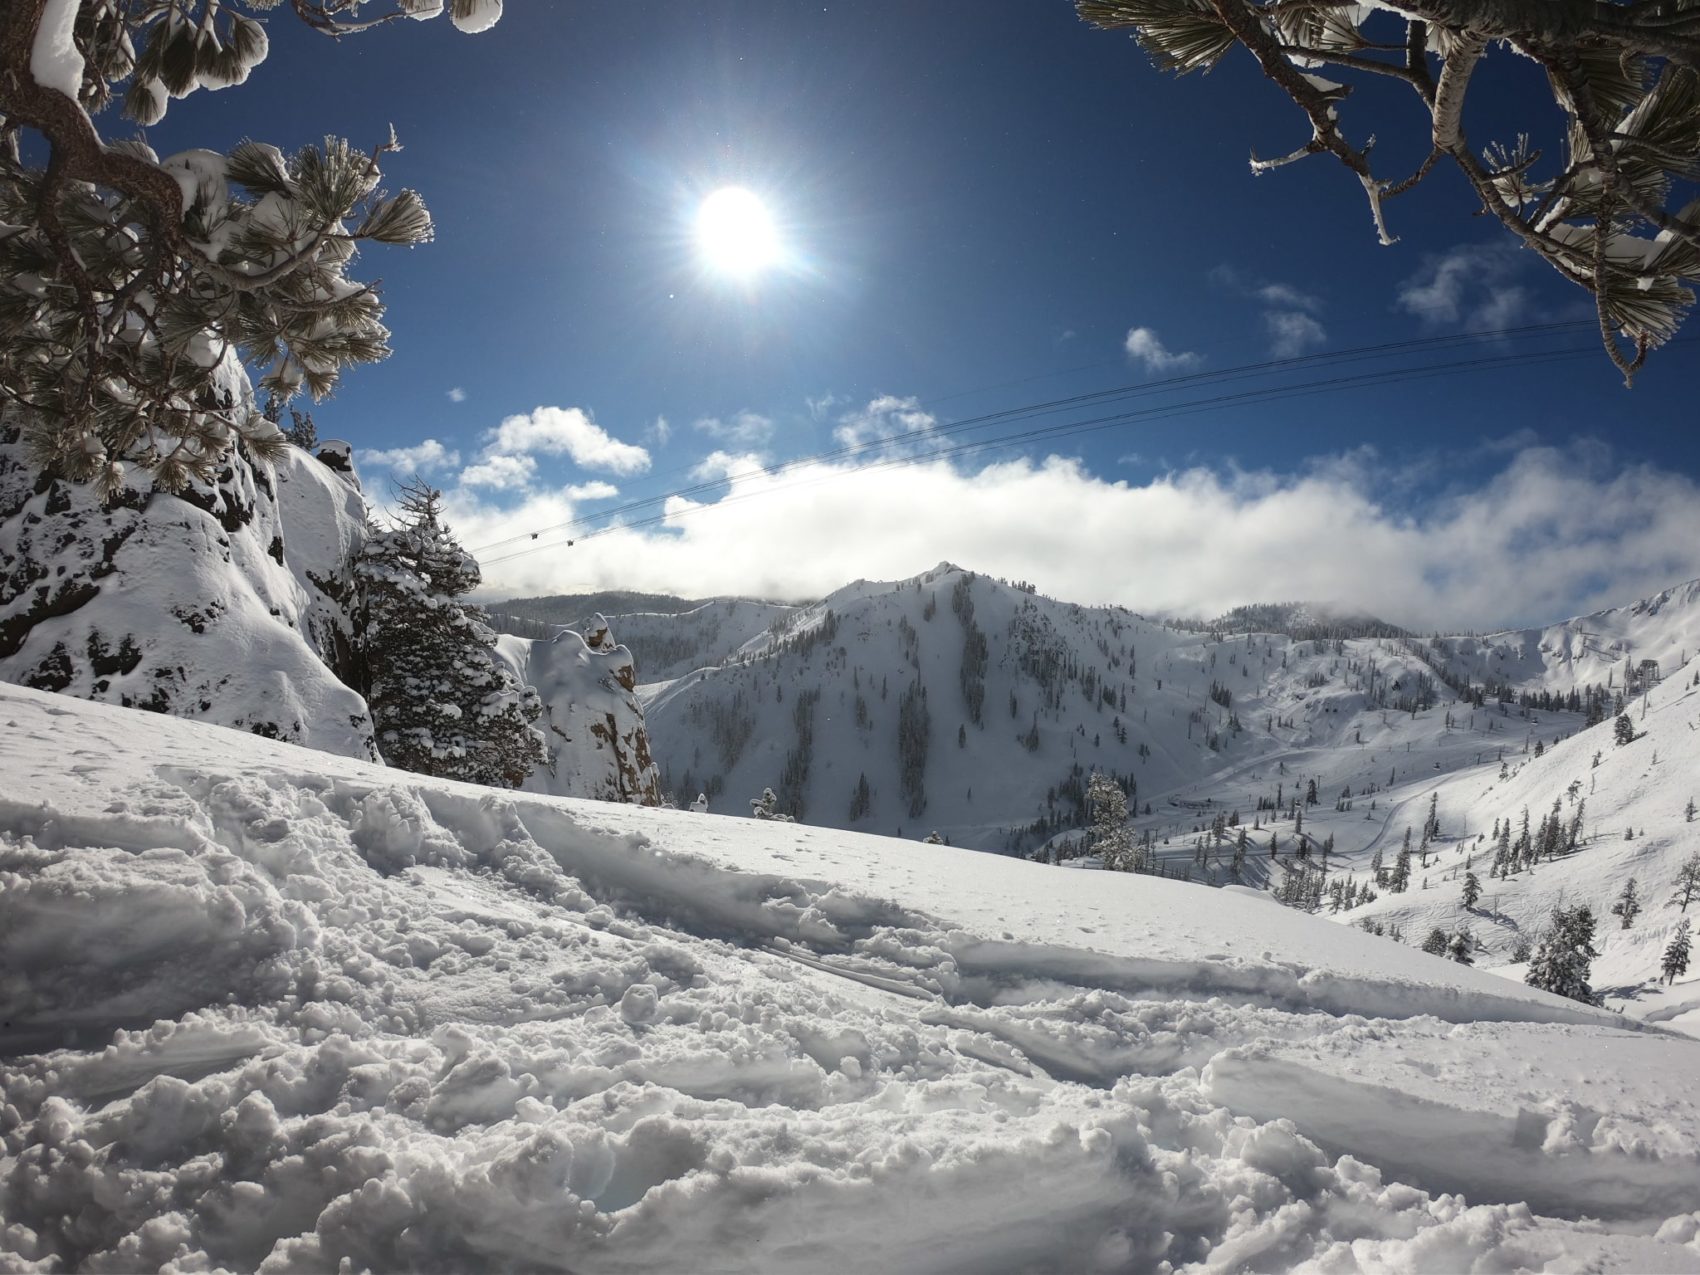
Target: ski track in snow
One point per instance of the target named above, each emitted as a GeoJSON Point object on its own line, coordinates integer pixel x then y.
{"type": "Point", "coordinates": [263, 1008]}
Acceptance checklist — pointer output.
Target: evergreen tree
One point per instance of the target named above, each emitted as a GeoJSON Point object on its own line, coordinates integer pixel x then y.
{"type": "Point", "coordinates": [1459, 946]}
{"type": "Point", "coordinates": [1675, 962]}
{"type": "Point", "coordinates": [1623, 730]}
{"type": "Point", "coordinates": [1687, 881]}
{"type": "Point", "coordinates": [1627, 907]}
{"type": "Point", "coordinates": [1564, 959]}
{"type": "Point", "coordinates": [1435, 943]}
{"type": "Point", "coordinates": [159, 277]}
{"type": "Point", "coordinates": [1605, 160]}
{"type": "Point", "coordinates": [441, 702]}
{"type": "Point", "coordinates": [1472, 889]}
{"type": "Point", "coordinates": [1106, 805]}
{"type": "Point", "coordinates": [1400, 881]}
{"type": "Point", "coordinates": [861, 798]}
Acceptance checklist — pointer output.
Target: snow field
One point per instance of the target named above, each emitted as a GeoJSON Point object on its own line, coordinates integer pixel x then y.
{"type": "Point", "coordinates": [420, 1025]}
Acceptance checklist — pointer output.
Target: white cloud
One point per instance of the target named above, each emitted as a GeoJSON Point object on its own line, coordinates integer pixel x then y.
{"type": "Point", "coordinates": [718, 464]}
{"type": "Point", "coordinates": [821, 405]}
{"type": "Point", "coordinates": [498, 470]}
{"type": "Point", "coordinates": [884, 418]}
{"type": "Point", "coordinates": [457, 395]}
{"type": "Point", "coordinates": [1509, 547]}
{"type": "Point", "coordinates": [661, 432]}
{"type": "Point", "coordinates": [566, 431]}
{"type": "Point", "coordinates": [596, 489]}
{"type": "Point", "coordinates": [1283, 294]}
{"type": "Point", "coordinates": [745, 429]}
{"type": "Point", "coordinates": [1472, 286]}
{"type": "Point", "coordinates": [1292, 333]}
{"type": "Point", "coordinates": [421, 459]}
{"type": "Point", "coordinates": [1144, 346]}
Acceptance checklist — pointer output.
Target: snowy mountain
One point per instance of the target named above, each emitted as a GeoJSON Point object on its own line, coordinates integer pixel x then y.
{"type": "Point", "coordinates": [598, 746]}
{"type": "Point", "coordinates": [668, 637]}
{"type": "Point", "coordinates": [1635, 802]}
{"type": "Point", "coordinates": [228, 603]}
{"type": "Point", "coordinates": [1621, 649]}
{"type": "Point", "coordinates": [956, 702]}
{"type": "Point", "coordinates": [264, 1008]}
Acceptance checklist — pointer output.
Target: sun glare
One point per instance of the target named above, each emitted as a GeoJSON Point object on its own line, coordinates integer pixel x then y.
{"type": "Point", "coordinates": [736, 234]}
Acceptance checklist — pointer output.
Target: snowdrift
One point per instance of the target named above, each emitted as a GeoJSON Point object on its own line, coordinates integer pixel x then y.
{"type": "Point", "coordinates": [266, 1008]}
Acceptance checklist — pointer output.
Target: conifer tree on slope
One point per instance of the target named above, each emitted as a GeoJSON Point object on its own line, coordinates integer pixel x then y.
{"type": "Point", "coordinates": [1111, 841]}
{"type": "Point", "coordinates": [441, 704]}
{"type": "Point", "coordinates": [1594, 177]}
{"type": "Point", "coordinates": [1564, 960]}
{"type": "Point", "coordinates": [1675, 962]}
{"type": "Point", "coordinates": [156, 276]}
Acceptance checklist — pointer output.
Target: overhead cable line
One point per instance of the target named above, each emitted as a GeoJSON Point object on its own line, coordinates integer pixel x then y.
{"type": "Point", "coordinates": [1138, 389]}
{"type": "Point", "coordinates": [1262, 394]}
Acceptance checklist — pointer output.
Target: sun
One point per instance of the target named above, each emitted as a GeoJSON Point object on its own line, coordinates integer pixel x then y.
{"type": "Point", "coordinates": [735, 233]}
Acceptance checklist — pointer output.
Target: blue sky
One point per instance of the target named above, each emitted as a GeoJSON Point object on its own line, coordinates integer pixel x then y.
{"type": "Point", "coordinates": [981, 202]}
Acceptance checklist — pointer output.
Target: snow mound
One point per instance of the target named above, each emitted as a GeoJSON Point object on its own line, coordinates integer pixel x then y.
{"type": "Point", "coordinates": [269, 1010]}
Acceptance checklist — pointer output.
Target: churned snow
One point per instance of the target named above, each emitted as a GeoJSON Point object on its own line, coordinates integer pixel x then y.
{"type": "Point", "coordinates": [267, 1008]}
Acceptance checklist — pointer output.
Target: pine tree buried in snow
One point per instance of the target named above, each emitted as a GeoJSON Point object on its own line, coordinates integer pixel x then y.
{"type": "Point", "coordinates": [441, 704]}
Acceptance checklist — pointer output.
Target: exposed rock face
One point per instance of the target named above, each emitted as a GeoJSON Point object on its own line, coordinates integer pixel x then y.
{"type": "Point", "coordinates": [231, 603]}
{"type": "Point", "coordinates": [598, 745]}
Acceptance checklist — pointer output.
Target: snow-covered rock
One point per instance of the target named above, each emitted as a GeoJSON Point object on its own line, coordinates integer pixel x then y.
{"type": "Point", "coordinates": [598, 744]}
{"type": "Point", "coordinates": [229, 603]}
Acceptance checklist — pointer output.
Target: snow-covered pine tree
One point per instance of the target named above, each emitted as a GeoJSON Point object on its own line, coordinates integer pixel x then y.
{"type": "Point", "coordinates": [1435, 943]}
{"type": "Point", "coordinates": [1675, 961]}
{"type": "Point", "coordinates": [441, 704]}
{"type": "Point", "coordinates": [766, 806]}
{"type": "Point", "coordinates": [1628, 906]}
{"type": "Point", "coordinates": [1400, 881]}
{"type": "Point", "coordinates": [1563, 961]}
{"type": "Point", "coordinates": [1106, 805]}
{"type": "Point", "coordinates": [155, 274]}
{"type": "Point", "coordinates": [1623, 730]}
{"type": "Point", "coordinates": [1687, 881]}
{"type": "Point", "coordinates": [1459, 947]}
{"type": "Point", "coordinates": [1472, 889]}
{"type": "Point", "coordinates": [1593, 180]}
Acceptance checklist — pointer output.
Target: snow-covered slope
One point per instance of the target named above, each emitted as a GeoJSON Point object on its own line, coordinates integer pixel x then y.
{"type": "Point", "coordinates": [598, 746]}
{"type": "Point", "coordinates": [1602, 649]}
{"type": "Point", "coordinates": [227, 603]}
{"type": "Point", "coordinates": [1644, 787]}
{"type": "Point", "coordinates": [979, 709]}
{"type": "Point", "coordinates": [264, 1008]}
{"type": "Point", "coordinates": [666, 646]}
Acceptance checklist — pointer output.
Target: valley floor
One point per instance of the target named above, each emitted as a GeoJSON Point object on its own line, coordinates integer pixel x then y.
{"type": "Point", "coordinates": [262, 1008]}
